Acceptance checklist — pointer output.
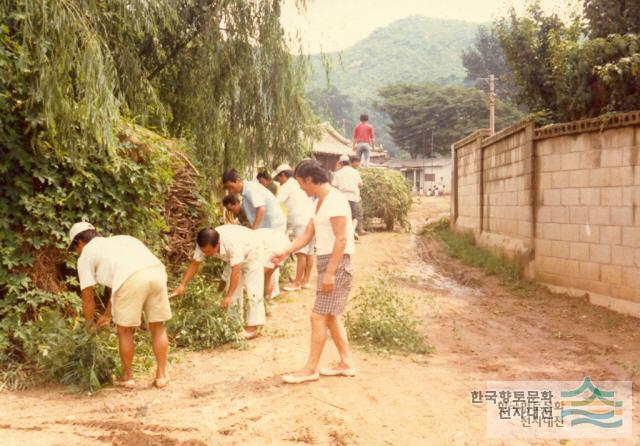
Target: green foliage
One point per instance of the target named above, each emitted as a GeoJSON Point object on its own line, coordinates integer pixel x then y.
{"type": "Point", "coordinates": [333, 106]}
{"type": "Point", "coordinates": [450, 113]}
{"type": "Point", "coordinates": [568, 76]}
{"type": "Point", "coordinates": [198, 322]}
{"type": "Point", "coordinates": [612, 17]}
{"type": "Point", "coordinates": [528, 43]}
{"type": "Point", "coordinates": [65, 351]}
{"type": "Point", "coordinates": [383, 321]}
{"type": "Point", "coordinates": [172, 65]}
{"type": "Point", "coordinates": [74, 76]}
{"type": "Point", "coordinates": [414, 50]}
{"type": "Point", "coordinates": [486, 57]}
{"type": "Point", "coordinates": [463, 246]}
{"type": "Point", "coordinates": [386, 195]}
{"type": "Point", "coordinates": [619, 72]}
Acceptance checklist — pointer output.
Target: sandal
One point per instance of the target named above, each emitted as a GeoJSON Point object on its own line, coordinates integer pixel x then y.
{"type": "Point", "coordinates": [161, 383]}
{"type": "Point", "coordinates": [128, 384]}
{"type": "Point", "coordinates": [299, 379]}
{"type": "Point", "coordinates": [246, 335]}
{"type": "Point", "coordinates": [351, 372]}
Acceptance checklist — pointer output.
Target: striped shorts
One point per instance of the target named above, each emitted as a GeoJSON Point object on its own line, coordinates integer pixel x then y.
{"type": "Point", "coordinates": [335, 302]}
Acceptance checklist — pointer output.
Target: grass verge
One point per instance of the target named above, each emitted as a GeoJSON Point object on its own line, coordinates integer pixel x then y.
{"type": "Point", "coordinates": [383, 321]}
{"type": "Point", "coordinates": [463, 246]}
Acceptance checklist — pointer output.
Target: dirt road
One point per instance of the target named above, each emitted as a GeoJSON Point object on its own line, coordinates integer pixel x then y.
{"type": "Point", "coordinates": [481, 331]}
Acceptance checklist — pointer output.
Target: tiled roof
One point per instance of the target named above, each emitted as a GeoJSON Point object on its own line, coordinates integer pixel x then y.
{"type": "Point", "coordinates": [331, 142]}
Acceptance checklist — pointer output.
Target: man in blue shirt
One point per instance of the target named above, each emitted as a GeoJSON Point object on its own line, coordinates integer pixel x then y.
{"type": "Point", "coordinates": [259, 205]}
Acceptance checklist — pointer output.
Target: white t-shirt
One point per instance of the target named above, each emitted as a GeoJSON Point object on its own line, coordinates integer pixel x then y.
{"type": "Point", "coordinates": [299, 205]}
{"type": "Point", "coordinates": [347, 180]}
{"type": "Point", "coordinates": [238, 244]}
{"type": "Point", "coordinates": [110, 261]}
{"type": "Point", "coordinates": [334, 205]}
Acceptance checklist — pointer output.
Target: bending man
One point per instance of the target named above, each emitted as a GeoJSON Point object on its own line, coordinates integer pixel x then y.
{"type": "Point", "coordinates": [245, 251]}
{"type": "Point", "coordinates": [138, 281]}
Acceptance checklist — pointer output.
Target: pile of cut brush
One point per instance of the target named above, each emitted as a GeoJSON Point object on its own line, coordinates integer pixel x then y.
{"type": "Point", "coordinates": [184, 206]}
{"type": "Point", "coordinates": [42, 336]}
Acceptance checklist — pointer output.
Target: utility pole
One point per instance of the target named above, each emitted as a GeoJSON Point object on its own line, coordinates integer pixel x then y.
{"type": "Point", "coordinates": [431, 144]}
{"type": "Point", "coordinates": [492, 103]}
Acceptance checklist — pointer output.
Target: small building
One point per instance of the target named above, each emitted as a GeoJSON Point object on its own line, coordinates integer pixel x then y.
{"type": "Point", "coordinates": [424, 173]}
{"type": "Point", "coordinates": [331, 145]}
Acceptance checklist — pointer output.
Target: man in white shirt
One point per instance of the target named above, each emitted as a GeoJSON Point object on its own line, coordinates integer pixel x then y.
{"type": "Point", "coordinates": [348, 181]}
{"type": "Point", "coordinates": [245, 251]}
{"type": "Point", "coordinates": [138, 283]}
{"type": "Point", "coordinates": [299, 208]}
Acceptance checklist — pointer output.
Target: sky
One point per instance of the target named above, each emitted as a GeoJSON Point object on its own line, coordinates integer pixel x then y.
{"type": "Point", "coordinates": [333, 25]}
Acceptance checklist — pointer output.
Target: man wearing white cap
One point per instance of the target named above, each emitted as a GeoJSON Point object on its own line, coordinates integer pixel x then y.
{"type": "Point", "coordinates": [138, 283]}
{"type": "Point", "coordinates": [299, 211]}
{"type": "Point", "coordinates": [348, 181]}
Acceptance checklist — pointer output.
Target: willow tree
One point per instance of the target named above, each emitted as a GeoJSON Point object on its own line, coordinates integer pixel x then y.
{"type": "Point", "coordinates": [216, 72]}
{"type": "Point", "coordinates": [73, 73]}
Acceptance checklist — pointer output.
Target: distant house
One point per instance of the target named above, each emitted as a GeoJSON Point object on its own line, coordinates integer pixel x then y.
{"type": "Point", "coordinates": [424, 173]}
{"type": "Point", "coordinates": [332, 144]}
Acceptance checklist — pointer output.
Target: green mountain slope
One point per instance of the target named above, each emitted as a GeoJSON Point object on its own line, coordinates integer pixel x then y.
{"type": "Point", "coordinates": [414, 49]}
{"type": "Point", "coordinates": [411, 50]}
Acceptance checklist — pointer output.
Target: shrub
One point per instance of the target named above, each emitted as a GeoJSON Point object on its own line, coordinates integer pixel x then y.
{"type": "Point", "coordinates": [198, 322]}
{"type": "Point", "coordinates": [383, 321]}
{"type": "Point", "coordinates": [463, 246]}
{"type": "Point", "coordinates": [65, 351]}
{"type": "Point", "coordinates": [385, 195]}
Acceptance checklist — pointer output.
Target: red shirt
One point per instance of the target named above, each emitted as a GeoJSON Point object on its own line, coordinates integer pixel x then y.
{"type": "Point", "coordinates": [363, 133]}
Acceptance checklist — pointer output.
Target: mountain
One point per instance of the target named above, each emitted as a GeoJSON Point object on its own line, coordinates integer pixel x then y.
{"type": "Point", "coordinates": [415, 49]}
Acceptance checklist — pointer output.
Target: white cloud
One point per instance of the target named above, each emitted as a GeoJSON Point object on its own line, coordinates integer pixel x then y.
{"type": "Point", "coordinates": [333, 25]}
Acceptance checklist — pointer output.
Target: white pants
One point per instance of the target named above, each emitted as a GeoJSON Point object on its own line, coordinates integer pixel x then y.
{"type": "Point", "coordinates": [252, 280]}
{"type": "Point", "coordinates": [275, 277]}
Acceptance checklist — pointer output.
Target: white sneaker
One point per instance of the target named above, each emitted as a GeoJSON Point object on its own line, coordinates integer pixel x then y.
{"type": "Point", "coordinates": [292, 288]}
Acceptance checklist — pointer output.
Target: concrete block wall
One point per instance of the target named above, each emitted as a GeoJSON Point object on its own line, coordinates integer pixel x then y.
{"type": "Point", "coordinates": [507, 184]}
{"type": "Point", "coordinates": [467, 169]}
{"type": "Point", "coordinates": [564, 198]}
{"type": "Point", "coordinates": [588, 224]}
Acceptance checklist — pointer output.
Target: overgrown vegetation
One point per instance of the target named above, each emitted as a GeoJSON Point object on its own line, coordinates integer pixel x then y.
{"type": "Point", "coordinates": [65, 351]}
{"type": "Point", "coordinates": [463, 246]}
{"type": "Point", "coordinates": [198, 322]}
{"type": "Point", "coordinates": [386, 195]}
{"type": "Point", "coordinates": [77, 78]}
{"type": "Point", "coordinates": [580, 69]}
{"type": "Point", "coordinates": [382, 320]}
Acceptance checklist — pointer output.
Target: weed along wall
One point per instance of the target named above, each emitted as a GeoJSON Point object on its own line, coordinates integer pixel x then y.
{"type": "Point", "coordinates": [563, 200]}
